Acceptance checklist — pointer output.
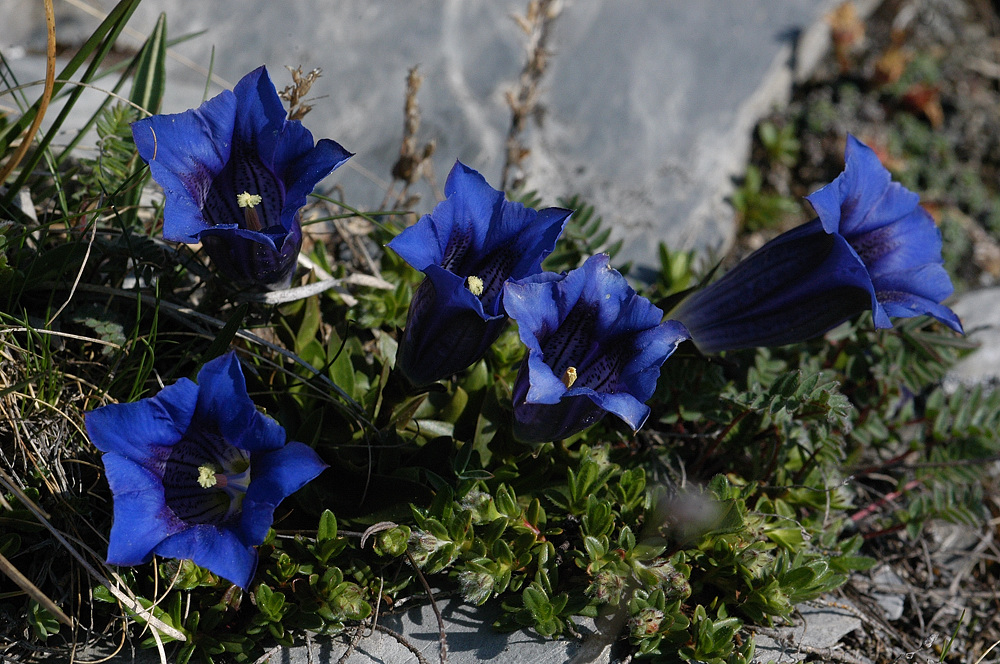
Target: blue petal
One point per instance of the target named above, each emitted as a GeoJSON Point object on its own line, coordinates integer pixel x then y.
{"type": "Point", "coordinates": [446, 329]}
{"type": "Point", "coordinates": [223, 400]}
{"type": "Point", "coordinates": [141, 517]}
{"type": "Point", "coordinates": [185, 152]}
{"type": "Point", "coordinates": [649, 350]}
{"type": "Point", "coordinates": [249, 258]}
{"type": "Point", "coordinates": [423, 243]}
{"type": "Point", "coordinates": [457, 226]}
{"type": "Point", "coordinates": [301, 166]}
{"type": "Point", "coordinates": [912, 240]}
{"type": "Point", "coordinates": [844, 204]}
{"type": "Point", "coordinates": [516, 245]}
{"type": "Point", "coordinates": [539, 309]}
{"type": "Point", "coordinates": [141, 430]}
{"type": "Point", "coordinates": [219, 550]}
{"type": "Point", "coordinates": [544, 386]}
{"type": "Point", "coordinates": [591, 320]}
{"type": "Point", "coordinates": [260, 115]}
{"type": "Point", "coordinates": [918, 291]}
{"type": "Point", "coordinates": [276, 475]}
{"type": "Point", "coordinates": [629, 409]}
{"type": "Point", "coordinates": [280, 473]}
{"type": "Point", "coordinates": [795, 287]}
{"type": "Point", "coordinates": [903, 305]}
{"type": "Point", "coordinates": [929, 281]}
{"type": "Point", "coordinates": [255, 520]}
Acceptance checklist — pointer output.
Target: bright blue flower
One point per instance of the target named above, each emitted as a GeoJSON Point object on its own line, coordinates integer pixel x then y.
{"type": "Point", "coordinates": [594, 347]}
{"type": "Point", "coordinates": [468, 246]}
{"type": "Point", "coordinates": [235, 173]}
{"type": "Point", "coordinates": [871, 247]}
{"type": "Point", "coordinates": [196, 472]}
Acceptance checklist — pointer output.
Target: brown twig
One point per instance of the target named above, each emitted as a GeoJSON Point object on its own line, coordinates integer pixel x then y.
{"type": "Point", "coordinates": [353, 643]}
{"type": "Point", "coordinates": [537, 25]}
{"type": "Point", "coordinates": [379, 527]}
{"type": "Point", "coordinates": [403, 642]}
{"type": "Point", "coordinates": [442, 637]}
{"type": "Point", "coordinates": [888, 498]}
{"type": "Point", "coordinates": [25, 584]}
{"type": "Point", "coordinates": [43, 103]}
{"type": "Point", "coordinates": [294, 94]}
{"type": "Point", "coordinates": [130, 603]}
{"type": "Point", "coordinates": [413, 161]}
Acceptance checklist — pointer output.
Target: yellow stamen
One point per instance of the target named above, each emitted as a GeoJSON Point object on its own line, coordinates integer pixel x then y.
{"type": "Point", "coordinates": [569, 377]}
{"type": "Point", "coordinates": [475, 285]}
{"type": "Point", "coordinates": [206, 477]}
{"type": "Point", "coordinates": [248, 202]}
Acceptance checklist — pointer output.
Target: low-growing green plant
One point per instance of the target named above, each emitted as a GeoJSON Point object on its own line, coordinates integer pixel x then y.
{"type": "Point", "coordinates": [750, 489]}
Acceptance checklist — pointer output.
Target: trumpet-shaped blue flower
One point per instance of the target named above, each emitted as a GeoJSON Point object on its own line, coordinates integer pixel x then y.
{"type": "Point", "coordinates": [871, 247]}
{"type": "Point", "coordinates": [235, 173]}
{"type": "Point", "coordinates": [594, 347]}
{"type": "Point", "coordinates": [470, 244]}
{"type": "Point", "coordinates": [196, 472]}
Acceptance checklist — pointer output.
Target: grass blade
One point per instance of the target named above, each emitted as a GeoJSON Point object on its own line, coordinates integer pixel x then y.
{"type": "Point", "coordinates": [43, 102]}
{"type": "Point", "coordinates": [97, 48]}
{"type": "Point", "coordinates": [151, 69]}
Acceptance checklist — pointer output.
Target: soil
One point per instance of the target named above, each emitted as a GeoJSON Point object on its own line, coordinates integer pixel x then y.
{"type": "Point", "coordinates": [919, 82]}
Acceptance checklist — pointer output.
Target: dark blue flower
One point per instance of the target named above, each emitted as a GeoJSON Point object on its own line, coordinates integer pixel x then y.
{"type": "Point", "coordinates": [196, 472]}
{"type": "Point", "coordinates": [470, 244]}
{"type": "Point", "coordinates": [594, 347]}
{"type": "Point", "coordinates": [871, 247]}
{"type": "Point", "coordinates": [235, 173]}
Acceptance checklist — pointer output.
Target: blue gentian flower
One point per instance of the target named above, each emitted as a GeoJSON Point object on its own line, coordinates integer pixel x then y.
{"type": "Point", "coordinates": [468, 246]}
{"type": "Point", "coordinates": [235, 173]}
{"type": "Point", "coordinates": [594, 347]}
{"type": "Point", "coordinates": [871, 247]}
{"type": "Point", "coordinates": [196, 472]}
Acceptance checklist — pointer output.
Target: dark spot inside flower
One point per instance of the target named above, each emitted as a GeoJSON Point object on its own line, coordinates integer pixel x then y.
{"type": "Point", "coordinates": [454, 252]}
{"type": "Point", "coordinates": [244, 173]}
{"type": "Point", "coordinates": [600, 373]}
{"type": "Point", "coordinates": [570, 344]}
{"type": "Point", "coordinates": [874, 244]}
{"type": "Point", "coordinates": [494, 270]}
{"type": "Point", "coordinates": [183, 486]}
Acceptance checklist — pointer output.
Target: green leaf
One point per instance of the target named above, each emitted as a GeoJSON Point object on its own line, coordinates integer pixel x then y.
{"type": "Point", "coordinates": [537, 602]}
{"type": "Point", "coordinates": [225, 337]}
{"type": "Point", "coordinates": [150, 76]}
{"type": "Point", "coordinates": [327, 527]}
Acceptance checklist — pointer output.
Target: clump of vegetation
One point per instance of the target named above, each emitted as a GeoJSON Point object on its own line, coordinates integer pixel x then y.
{"type": "Point", "coordinates": [757, 483]}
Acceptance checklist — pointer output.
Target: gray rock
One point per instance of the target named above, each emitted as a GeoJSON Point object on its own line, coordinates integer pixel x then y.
{"type": "Point", "coordinates": [979, 312]}
{"type": "Point", "coordinates": [469, 636]}
{"type": "Point", "coordinates": [888, 595]}
{"type": "Point", "coordinates": [649, 107]}
{"type": "Point", "coordinates": [819, 626]}
{"type": "Point", "coordinates": [470, 639]}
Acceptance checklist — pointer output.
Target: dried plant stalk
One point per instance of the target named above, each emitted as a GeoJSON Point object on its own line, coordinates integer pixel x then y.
{"type": "Point", "coordinates": [413, 161]}
{"type": "Point", "coordinates": [537, 24]}
{"type": "Point", "coordinates": [295, 93]}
